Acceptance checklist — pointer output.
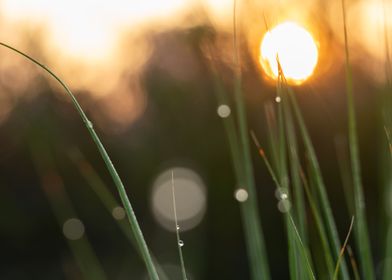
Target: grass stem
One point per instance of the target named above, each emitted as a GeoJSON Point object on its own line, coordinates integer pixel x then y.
{"type": "Point", "coordinates": [113, 172]}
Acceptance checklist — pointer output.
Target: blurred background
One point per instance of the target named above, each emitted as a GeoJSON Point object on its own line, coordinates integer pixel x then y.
{"type": "Point", "coordinates": [144, 71]}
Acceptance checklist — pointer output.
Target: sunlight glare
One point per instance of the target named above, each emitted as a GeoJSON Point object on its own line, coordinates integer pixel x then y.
{"type": "Point", "coordinates": [295, 48]}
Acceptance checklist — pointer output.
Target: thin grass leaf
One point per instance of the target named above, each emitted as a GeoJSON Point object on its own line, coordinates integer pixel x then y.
{"type": "Point", "coordinates": [293, 161]}
{"type": "Point", "coordinates": [291, 228]}
{"type": "Point", "coordinates": [344, 168]}
{"type": "Point", "coordinates": [298, 194]}
{"type": "Point", "coordinates": [387, 272]}
{"type": "Point", "coordinates": [113, 172]}
{"type": "Point", "coordinates": [295, 265]}
{"type": "Point", "coordinates": [335, 275]}
{"type": "Point", "coordinates": [361, 228]}
{"type": "Point", "coordinates": [272, 134]}
{"type": "Point", "coordinates": [249, 209]}
{"type": "Point", "coordinates": [315, 171]}
{"type": "Point", "coordinates": [180, 243]}
{"type": "Point", "coordinates": [304, 250]}
{"type": "Point", "coordinates": [99, 187]}
{"type": "Point", "coordinates": [319, 225]}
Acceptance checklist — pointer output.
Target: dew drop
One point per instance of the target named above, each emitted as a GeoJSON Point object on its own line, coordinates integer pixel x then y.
{"type": "Point", "coordinates": [281, 194]}
{"type": "Point", "coordinates": [278, 99]}
{"type": "Point", "coordinates": [180, 243]}
{"type": "Point", "coordinates": [178, 227]}
{"type": "Point", "coordinates": [89, 124]}
{"type": "Point", "coordinates": [241, 195]}
{"type": "Point", "coordinates": [284, 206]}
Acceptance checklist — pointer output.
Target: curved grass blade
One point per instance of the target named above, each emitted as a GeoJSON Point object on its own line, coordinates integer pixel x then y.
{"type": "Point", "coordinates": [113, 172]}
{"type": "Point", "coordinates": [100, 188]}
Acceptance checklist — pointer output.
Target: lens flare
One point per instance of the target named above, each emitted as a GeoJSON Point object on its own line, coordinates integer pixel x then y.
{"type": "Point", "coordinates": [295, 49]}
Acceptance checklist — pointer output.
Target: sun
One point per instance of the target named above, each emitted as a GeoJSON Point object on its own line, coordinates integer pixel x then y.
{"type": "Point", "coordinates": [295, 49]}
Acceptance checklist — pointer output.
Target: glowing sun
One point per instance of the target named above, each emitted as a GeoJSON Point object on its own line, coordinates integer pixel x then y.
{"type": "Point", "coordinates": [295, 48]}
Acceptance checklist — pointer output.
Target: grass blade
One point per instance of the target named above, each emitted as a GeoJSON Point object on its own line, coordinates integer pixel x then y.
{"type": "Point", "coordinates": [179, 241]}
{"type": "Point", "coordinates": [319, 183]}
{"type": "Point", "coordinates": [387, 273]}
{"type": "Point", "coordinates": [249, 209]}
{"type": "Point", "coordinates": [113, 172]}
{"type": "Point", "coordinates": [335, 275]}
{"type": "Point", "coordinates": [360, 229]}
{"type": "Point", "coordinates": [319, 224]}
{"type": "Point", "coordinates": [298, 194]}
{"type": "Point", "coordinates": [291, 228]}
{"type": "Point", "coordinates": [99, 187]}
{"type": "Point", "coordinates": [295, 266]}
{"type": "Point", "coordinates": [344, 168]}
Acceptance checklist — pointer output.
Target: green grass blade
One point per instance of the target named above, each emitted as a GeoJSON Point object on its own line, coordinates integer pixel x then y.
{"type": "Point", "coordinates": [113, 172]}
{"type": "Point", "coordinates": [295, 266]}
{"type": "Point", "coordinates": [291, 228]}
{"type": "Point", "coordinates": [344, 169]}
{"type": "Point", "coordinates": [272, 134]}
{"type": "Point", "coordinates": [253, 232]}
{"type": "Point", "coordinates": [298, 194]}
{"type": "Point", "coordinates": [177, 228]}
{"type": "Point", "coordinates": [319, 225]}
{"type": "Point", "coordinates": [387, 272]}
{"type": "Point", "coordinates": [296, 188]}
{"type": "Point", "coordinates": [100, 188]}
{"type": "Point", "coordinates": [249, 209]}
{"type": "Point", "coordinates": [303, 249]}
{"type": "Point", "coordinates": [325, 206]}
{"type": "Point", "coordinates": [251, 221]}
{"type": "Point", "coordinates": [360, 228]}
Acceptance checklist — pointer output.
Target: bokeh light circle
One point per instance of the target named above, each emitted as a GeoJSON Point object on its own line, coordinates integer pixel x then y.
{"type": "Point", "coordinates": [191, 199]}
{"type": "Point", "coordinates": [73, 229]}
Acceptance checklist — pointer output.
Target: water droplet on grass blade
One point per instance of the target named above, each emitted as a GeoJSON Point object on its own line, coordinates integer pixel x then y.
{"type": "Point", "coordinates": [281, 194]}
{"type": "Point", "coordinates": [180, 243]}
{"type": "Point", "coordinates": [284, 196]}
{"type": "Point", "coordinates": [278, 99]}
{"type": "Point", "coordinates": [178, 227]}
{"type": "Point", "coordinates": [89, 124]}
{"type": "Point", "coordinates": [241, 195]}
{"type": "Point", "coordinates": [284, 206]}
